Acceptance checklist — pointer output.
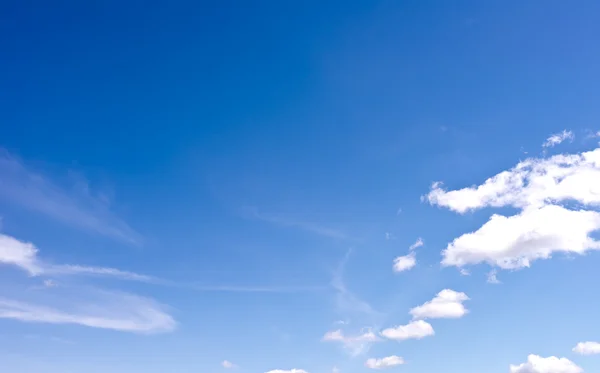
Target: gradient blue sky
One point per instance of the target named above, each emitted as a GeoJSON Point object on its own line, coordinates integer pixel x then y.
{"type": "Point", "coordinates": [211, 181]}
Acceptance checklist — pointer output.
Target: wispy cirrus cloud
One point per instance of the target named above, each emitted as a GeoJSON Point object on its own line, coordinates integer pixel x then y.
{"type": "Point", "coordinates": [76, 208]}
{"type": "Point", "coordinates": [93, 308]}
{"type": "Point", "coordinates": [289, 222]}
{"type": "Point", "coordinates": [558, 138]}
{"type": "Point", "coordinates": [24, 255]}
{"type": "Point", "coordinates": [351, 307]}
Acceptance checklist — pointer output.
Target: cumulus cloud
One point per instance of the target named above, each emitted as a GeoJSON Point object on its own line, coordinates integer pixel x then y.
{"type": "Point", "coordinates": [96, 309]}
{"type": "Point", "coordinates": [516, 241]}
{"type": "Point", "coordinates": [552, 364]}
{"type": "Point", "coordinates": [587, 348]}
{"type": "Point", "coordinates": [228, 364]}
{"type": "Point", "coordinates": [414, 330]}
{"type": "Point", "coordinates": [447, 304]}
{"type": "Point", "coordinates": [78, 208]}
{"type": "Point", "coordinates": [287, 371]}
{"type": "Point", "coordinates": [558, 138]}
{"type": "Point", "coordinates": [556, 197]}
{"type": "Point", "coordinates": [385, 362]}
{"type": "Point", "coordinates": [405, 262]}
{"type": "Point", "coordinates": [534, 182]}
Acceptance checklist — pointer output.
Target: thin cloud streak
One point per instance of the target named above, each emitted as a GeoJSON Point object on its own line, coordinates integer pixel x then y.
{"type": "Point", "coordinates": [290, 223]}
{"type": "Point", "coordinates": [78, 209]}
{"type": "Point", "coordinates": [98, 309]}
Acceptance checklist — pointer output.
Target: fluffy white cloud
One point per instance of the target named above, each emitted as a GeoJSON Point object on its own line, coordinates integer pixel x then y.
{"type": "Point", "coordinates": [447, 304]}
{"type": "Point", "coordinates": [531, 183]}
{"type": "Point", "coordinates": [535, 233]}
{"type": "Point", "coordinates": [587, 348]}
{"type": "Point", "coordinates": [552, 364]}
{"type": "Point", "coordinates": [228, 364]}
{"type": "Point", "coordinates": [96, 309]}
{"type": "Point", "coordinates": [385, 362]}
{"type": "Point", "coordinates": [404, 263]}
{"type": "Point", "coordinates": [287, 371]}
{"type": "Point", "coordinates": [558, 138]}
{"type": "Point", "coordinates": [539, 188]}
{"type": "Point", "coordinates": [414, 330]}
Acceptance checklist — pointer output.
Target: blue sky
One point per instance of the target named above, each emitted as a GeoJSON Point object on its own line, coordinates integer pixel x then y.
{"type": "Point", "coordinates": [253, 186]}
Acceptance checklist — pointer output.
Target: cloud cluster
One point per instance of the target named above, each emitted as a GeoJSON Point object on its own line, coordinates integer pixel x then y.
{"type": "Point", "coordinates": [557, 198]}
{"type": "Point", "coordinates": [552, 364]}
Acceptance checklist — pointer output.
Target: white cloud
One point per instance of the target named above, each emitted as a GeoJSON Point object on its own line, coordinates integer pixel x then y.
{"type": "Point", "coordinates": [552, 364]}
{"type": "Point", "coordinates": [492, 277]}
{"type": "Point", "coordinates": [543, 226]}
{"type": "Point", "coordinates": [587, 348]}
{"type": "Point", "coordinates": [357, 344]}
{"type": "Point", "coordinates": [464, 272]}
{"type": "Point", "coordinates": [287, 371]}
{"type": "Point", "coordinates": [20, 254]}
{"type": "Point", "coordinates": [24, 255]}
{"type": "Point", "coordinates": [516, 241]}
{"type": "Point", "coordinates": [228, 364]}
{"type": "Point", "coordinates": [77, 208]}
{"type": "Point", "coordinates": [447, 304]}
{"type": "Point", "coordinates": [414, 330]}
{"type": "Point", "coordinates": [531, 183]}
{"type": "Point", "coordinates": [404, 263]}
{"type": "Point", "coordinates": [50, 283]}
{"type": "Point", "coordinates": [69, 269]}
{"type": "Point", "coordinates": [558, 138]}
{"type": "Point", "coordinates": [96, 309]}
{"type": "Point", "coordinates": [385, 362]}
{"type": "Point", "coordinates": [418, 243]}
{"type": "Point", "coordinates": [335, 370]}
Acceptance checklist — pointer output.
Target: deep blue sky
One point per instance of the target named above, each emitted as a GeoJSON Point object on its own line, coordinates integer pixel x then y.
{"type": "Point", "coordinates": [239, 146]}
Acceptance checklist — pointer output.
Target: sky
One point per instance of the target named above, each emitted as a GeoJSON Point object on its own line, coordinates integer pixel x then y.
{"type": "Point", "coordinates": [299, 187]}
